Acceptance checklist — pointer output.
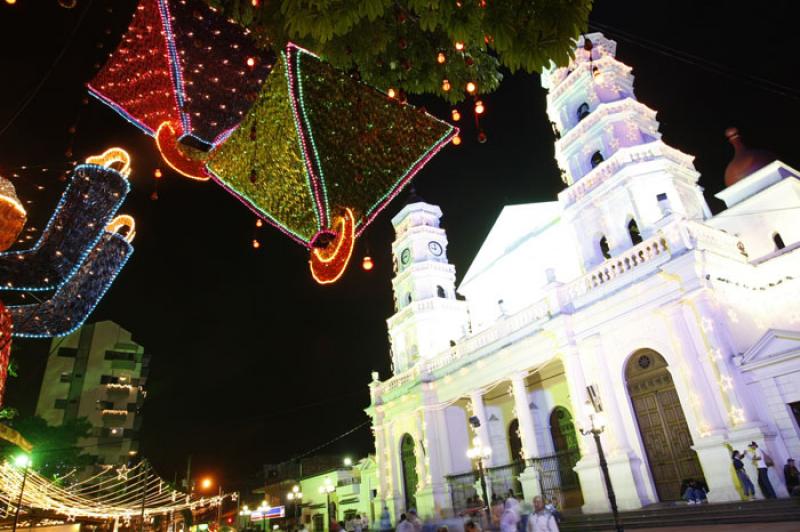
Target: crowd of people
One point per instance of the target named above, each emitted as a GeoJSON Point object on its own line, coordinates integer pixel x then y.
{"type": "Point", "coordinates": [762, 462]}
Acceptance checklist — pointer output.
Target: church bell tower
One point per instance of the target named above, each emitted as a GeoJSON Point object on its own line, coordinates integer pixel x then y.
{"type": "Point", "coordinates": [428, 318]}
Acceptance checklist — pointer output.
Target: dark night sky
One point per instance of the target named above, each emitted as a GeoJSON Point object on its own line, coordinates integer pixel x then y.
{"type": "Point", "coordinates": [253, 362]}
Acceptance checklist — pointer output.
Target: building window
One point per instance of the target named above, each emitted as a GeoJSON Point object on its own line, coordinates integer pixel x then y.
{"type": "Point", "coordinates": [596, 159]}
{"type": "Point", "coordinates": [583, 111]}
{"type": "Point", "coordinates": [105, 405]}
{"type": "Point", "coordinates": [633, 230]}
{"type": "Point", "coordinates": [69, 352]}
{"type": "Point", "coordinates": [120, 355]}
{"type": "Point", "coordinates": [109, 379]}
{"type": "Point", "coordinates": [778, 239]}
{"type": "Point", "coordinates": [604, 249]}
{"type": "Point", "coordinates": [440, 292]}
{"type": "Point", "coordinates": [66, 377]}
{"type": "Point", "coordinates": [61, 404]}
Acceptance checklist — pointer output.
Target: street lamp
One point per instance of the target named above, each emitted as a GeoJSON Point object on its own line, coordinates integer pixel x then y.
{"type": "Point", "coordinates": [348, 462]}
{"type": "Point", "coordinates": [244, 512]}
{"type": "Point", "coordinates": [297, 496]}
{"type": "Point", "coordinates": [597, 423]}
{"type": "Point", "coordinates": [480, 452]}
{"type": "Point", "coordinates": [327, 488]}
{"type": "Point", "coordinates": [23, 461]}
{"type": "Point", "coordinates": [205, 484]}
{"type": "Point", "coordinates": [263, 509]}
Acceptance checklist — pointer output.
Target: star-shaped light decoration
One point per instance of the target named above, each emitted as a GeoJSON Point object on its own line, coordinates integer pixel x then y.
{"type": "Point", "coordinates": [726, 383]}
{"type": "Point", "coordinates": [122, 472]}
{"type": "Point", "coordinates": [706, 324]}
{"type": "Point", "coordinates": [736, 415]}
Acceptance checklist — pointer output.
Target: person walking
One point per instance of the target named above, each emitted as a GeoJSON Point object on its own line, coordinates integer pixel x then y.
{"type": "Point", "coordinates": [762, 461]}
{"type": "Point", "coordinates": [510, 518]}
{"type": "Point", "coordinates": [540, 519]}
{"type": "Point", "coordinates": [792, 477]}
{"type": "Point", "coordinates": [744, 480]}
{"type": "Point", "coordinates": [386, 520]}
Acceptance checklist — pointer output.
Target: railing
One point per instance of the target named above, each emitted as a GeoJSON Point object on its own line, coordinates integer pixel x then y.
{"type": "Point", "coordinates": [504, 479]}
{"type": "Point", "coordinates": [429, 303]}
{"type": "Point", "coordinates": [716, 241]}
{"type": "Point", "coordinates": [557, 478]}
{"type": "Point", "coordinates": [463, 492]}
{"type": "Point", "coordinates": [609, 270]}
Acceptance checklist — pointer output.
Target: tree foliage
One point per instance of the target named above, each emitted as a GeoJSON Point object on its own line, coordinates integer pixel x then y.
{"type": "Point", "coordinates": [56, 449]}
{"type": "Point", "coordinates": [396, 43]}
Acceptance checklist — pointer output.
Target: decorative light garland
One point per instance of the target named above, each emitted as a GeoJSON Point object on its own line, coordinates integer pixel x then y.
{"type": "Point", "coordinates": [167, 143]}
{"type": "Point", "coordinates": [328, 264]}
{"type": "Point", "coordinates": [107, 495]}
{"type": "Point", "coordinates": [295, 159]}
{"type": "Point", "coordinates": [6, 328]}
{"type": "Point", "coordinates": [12, 214]}
{"type": "Point", "coordinates": [87, 205]}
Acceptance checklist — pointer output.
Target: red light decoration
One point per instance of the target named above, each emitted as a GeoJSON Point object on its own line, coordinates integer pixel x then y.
{"type": "Point", "coordinates": [6, 327]}
{"type": "Point", "coordinates": [167, 142]}
{"type": "Point", "coordinates": [329, 263]}
{"type": "Point", "coordinates": [182, 62]}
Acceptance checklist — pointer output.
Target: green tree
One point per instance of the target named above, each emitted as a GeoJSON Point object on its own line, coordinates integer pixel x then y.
{"type": "Point", "coordinates": [56, 449]}
{"type": "Point", "coordinates": [396, 43]}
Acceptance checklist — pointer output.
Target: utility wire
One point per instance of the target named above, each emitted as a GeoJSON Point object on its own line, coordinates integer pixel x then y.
{"type": "Point", "coordinates": [686, 57]}
{"type": "Point", "coordinates": [33, 92]}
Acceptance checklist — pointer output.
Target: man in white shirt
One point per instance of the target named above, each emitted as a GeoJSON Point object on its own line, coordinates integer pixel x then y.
{"type": "Point", "coordinates": [540, 519]}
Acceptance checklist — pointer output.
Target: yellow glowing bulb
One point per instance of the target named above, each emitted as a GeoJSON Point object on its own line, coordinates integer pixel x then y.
{"type": "Point", "coordinates": [459, 45]}
{"type": "Point", "coordinates": [391, 93]}
{"type": "Point", "coordinates": [367, 264]}
{"type": "Point", "coordinates": [11, 2]}
{"type": "Point", "coordinates": [205, 483]}
{"type": "Point", "coordinates": [479, 109]}
{"type": "Point", "coordinates": [445, 85]}
{"type": "Point", "coordinates": [256, 244]}
{"type": "Point", "coordinates": [456, 115]}
{"type": "Point", "coordinates": [251, 62]}
{"type": "Point", "coordinates": [259, 223]}
{"type": "Point", "coordinates": [456, 140]}
{"type": "Point", "coordinates": [157, 173]}
{"type": "Point", "coordinates": [441, 58]}
{"type": "Point", "coordinates": [471, 87]}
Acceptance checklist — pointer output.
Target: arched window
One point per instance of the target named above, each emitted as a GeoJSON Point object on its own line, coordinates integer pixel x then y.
{"type": "Point", "coordinates": [583, 111]}
{"type": "Point", "coordinates": [597, 158]}
{"type": "Point", "coordinates": [440, 292]}
{"type": "Point", "coordinates": [778, 239]}
{"type": "Point", "coordinates": [633, 230]}
{"type": "Point", "coordinates": [409, 299]}
{"type": "Point", "coordinates": [604, 249]}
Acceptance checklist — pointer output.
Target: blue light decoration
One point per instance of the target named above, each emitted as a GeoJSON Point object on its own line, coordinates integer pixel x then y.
{"type": "Point", "coordinates": [87, 205]}
{"type": "Point", "coordinates": [74, 301]}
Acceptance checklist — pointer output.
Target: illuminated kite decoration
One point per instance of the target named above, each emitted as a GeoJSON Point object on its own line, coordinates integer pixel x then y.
{"type": "Point", "coordinates": [6, 328]}
{"type": "Point", "coordinates": [87, 205]}
{"type": "Point", "coordinates": [320, 154]}
{"type": "Point", "coordinates": [183, 72]}
{"type": "Point", "coordinates": [75, 300]}
{"type": "Point", "coordinates": [12, 214]}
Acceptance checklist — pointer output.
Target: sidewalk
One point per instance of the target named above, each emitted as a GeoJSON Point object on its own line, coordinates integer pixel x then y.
{"type": "Point", "coordinates": [788, 526]}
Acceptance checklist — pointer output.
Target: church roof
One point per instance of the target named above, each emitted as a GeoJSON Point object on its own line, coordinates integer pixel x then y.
{"type": "Point", "coordinates": [515, 225]}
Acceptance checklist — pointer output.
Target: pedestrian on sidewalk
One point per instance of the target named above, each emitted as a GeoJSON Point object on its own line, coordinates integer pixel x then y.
{"type": "Point", "coordinates": [540, 519]}
{"type": "Point", "coordinates": [762, 461]}
{"type": "Point", "coordinates": [792, 477]}
{"type": "Point", "coordinates": [747, 484]}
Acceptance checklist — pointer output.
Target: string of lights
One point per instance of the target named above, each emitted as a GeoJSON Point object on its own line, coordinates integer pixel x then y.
{"type": "Point", "coordinates": [127, 496]}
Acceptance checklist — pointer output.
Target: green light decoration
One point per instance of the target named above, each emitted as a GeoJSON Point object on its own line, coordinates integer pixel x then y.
{"type": "Point", "coordinates": [318, 142]}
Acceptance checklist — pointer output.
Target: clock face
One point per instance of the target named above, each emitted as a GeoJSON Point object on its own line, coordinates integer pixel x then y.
{"type": "Point", "coordinates": [435, 247]}
{"type": "Point", "coordinates": [405, 256]}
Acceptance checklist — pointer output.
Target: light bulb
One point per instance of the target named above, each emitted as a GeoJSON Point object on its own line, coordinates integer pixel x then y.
{"type": "Point", "coordinates": [251, 62]}
{"type": "Point", "coordinates": [441, 58]}
{"type": "Point", "coordinates": [471, 87]}
{"type": "Point", "coordinates": [456, 140]}
{"type": "Point", "coordinates": [459, 45]}
{"type": "Point", "coordinates": [479, 109]}
{"type": "Point", "coordinates": [445, 85]}
{"type": "Point", "coordinates": [456, 115]}
{"type": "Point", "coordinates": [391, 93]}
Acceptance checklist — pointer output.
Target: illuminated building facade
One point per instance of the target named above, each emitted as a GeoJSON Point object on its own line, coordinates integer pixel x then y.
{"type": "Point", "coordinates": [98, 373]}
{"type": "Point", "coordinates": [683, 327]}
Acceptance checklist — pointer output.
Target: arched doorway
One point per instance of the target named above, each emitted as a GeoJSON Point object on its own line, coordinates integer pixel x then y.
{"type": "Point", "coordinates": [565, 444]}
{"type": "Point", "coordinates": [662, 424]}
{"type": "Point", "coordinates": [514, 441]}
{"type": "Point", "coordinates": [409, 464]}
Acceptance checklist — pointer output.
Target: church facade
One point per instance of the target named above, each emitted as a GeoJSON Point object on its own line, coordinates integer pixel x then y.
{"type": "Point", "coordinates": [678, 329]}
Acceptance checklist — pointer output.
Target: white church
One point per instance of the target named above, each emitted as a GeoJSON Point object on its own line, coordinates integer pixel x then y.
{"type": "Point", "coordinates": [624, 304]}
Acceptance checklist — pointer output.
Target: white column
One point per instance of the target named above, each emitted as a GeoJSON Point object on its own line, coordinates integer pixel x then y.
{"type": "Point", "coordinates": [479, 410]}
{"type": "Point", "coordinates": [524, 417]}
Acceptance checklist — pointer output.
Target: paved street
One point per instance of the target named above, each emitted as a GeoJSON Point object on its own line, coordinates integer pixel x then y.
{"type": "Point", "coordinates": [792, 526]}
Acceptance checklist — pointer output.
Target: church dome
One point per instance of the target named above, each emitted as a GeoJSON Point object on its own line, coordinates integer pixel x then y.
{"type": "Point", "coordinates": [745, 160]}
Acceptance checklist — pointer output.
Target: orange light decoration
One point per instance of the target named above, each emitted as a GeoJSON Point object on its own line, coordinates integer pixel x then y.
{"type": "Point", "coordinates": [167, 142]}
{"type": "Point", "coordinates": [11, 2]}
{"type": "Point", "coordinates": [251, 62]}
{"type": "Point", "coordinates": [456, 140]}
{"type": "Point", "coordinates": [445, 85]}
{"type": "Point", "coordinates": [123, 220]}
{"type": "Point", "coordinates": [157, 173]}
{"type": "Point", "coordinates": [367, 263]}
{"type": "Point", "coordinates": [471, 87]}
{"type": "Point", "coordinates": [256, 244]}
{"type": "Point", "coordinates": [12, 215]}
{"type": "Point", "coordinates": [455, 114]}
{"type": "Point", "coordinates": [391, 93]}
{"type": "Point", "coordinates": [459, 46]}
{"type": "Point", "coordinates": [112, 156]}
{"type": "Point", "coordinates": [329, 263]}
{"type": "Point", "coordinates": [479, 109]}
{"type": "Point", "coordinates": [259, 223]}
{"type": "Point", "coordinates": [441, 58]}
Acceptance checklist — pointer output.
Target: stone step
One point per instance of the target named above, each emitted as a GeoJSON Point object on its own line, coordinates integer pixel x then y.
{"type": "Point", "coordinates": [690, 515]}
